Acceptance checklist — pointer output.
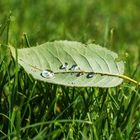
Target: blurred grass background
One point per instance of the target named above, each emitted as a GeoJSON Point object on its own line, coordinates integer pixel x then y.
{"type": "Point", "coordinates": [114, 112]}
{"type": "Point", "coordinates": [75, 19]}
{"type": "Point", "coordinates": [114, 24]}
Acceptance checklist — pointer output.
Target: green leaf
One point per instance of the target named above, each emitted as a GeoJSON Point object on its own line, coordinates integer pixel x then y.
{"type": "Point", "coordinates": [86, 65]}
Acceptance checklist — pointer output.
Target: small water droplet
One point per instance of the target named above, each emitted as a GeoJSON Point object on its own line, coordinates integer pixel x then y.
{"type": "Point", "coordinates": [64, 66]}
{"type": "Point", "coordinates": [74, 67]}
{"type": "Point", "coordinates": [33, 70]}
{"type": "Point", "coordinates": [90, 75]}
{"type": "Point", "coordinates": [79, 74]}
{"type": "Point", "coordinates": [47, 74]}
{"type": "Point", "coordinates": [72, 83]}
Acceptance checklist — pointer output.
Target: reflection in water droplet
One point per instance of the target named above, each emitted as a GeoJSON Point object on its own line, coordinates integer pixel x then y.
{"type": "Point", "coordinates": [79, 74]}
{"type": "Point", "coordinates": [74, 67]}
{"type": "Point", "coordinates": [90, 75]}
{"type": "Point", "coordinates": [47, 74]}
{"type": "Point", "coordinates": [64, 66]}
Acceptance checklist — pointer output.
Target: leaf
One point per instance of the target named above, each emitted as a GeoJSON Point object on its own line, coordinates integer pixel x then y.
{"type": "Point", "coordinates": [71, 63]}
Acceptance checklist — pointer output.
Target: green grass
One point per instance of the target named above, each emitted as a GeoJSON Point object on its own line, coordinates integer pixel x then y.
{"type": "Point", "coordinates": [30, 109]}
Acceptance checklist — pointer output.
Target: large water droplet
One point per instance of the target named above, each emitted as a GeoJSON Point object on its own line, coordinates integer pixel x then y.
{"type": "Point", "coordinates": [47, 74]}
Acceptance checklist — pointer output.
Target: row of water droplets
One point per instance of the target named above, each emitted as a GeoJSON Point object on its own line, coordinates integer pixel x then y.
{"type": "Point", "coordinates": [50, 74]}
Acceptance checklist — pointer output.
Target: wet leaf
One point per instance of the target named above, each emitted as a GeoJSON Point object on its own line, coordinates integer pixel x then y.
{"type": "Point", "coordinates": [72, 63]}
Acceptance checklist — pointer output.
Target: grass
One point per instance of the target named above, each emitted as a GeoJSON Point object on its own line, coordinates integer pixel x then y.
{"type": "Point", "coordinates": [30, 109]}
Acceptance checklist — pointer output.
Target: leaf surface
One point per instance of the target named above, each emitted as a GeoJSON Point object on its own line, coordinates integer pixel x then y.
{"type": "Point", "coordinates": [72, 64]}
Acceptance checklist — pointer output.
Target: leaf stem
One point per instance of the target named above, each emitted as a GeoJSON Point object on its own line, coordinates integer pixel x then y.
{"type": "Point", "coordinates": [124, 77]}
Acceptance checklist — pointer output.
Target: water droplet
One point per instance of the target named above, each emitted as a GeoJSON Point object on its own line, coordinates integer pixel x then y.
{"type": "Point", "coordinates": [33, 70]}
{"type": "Point", "coordinates": [72, 83]}
{"type": "Point", "coordinates": [79, 74]}
{"type": "Point", "coordinates": [64, 66]}
{"type": "Point", "coordinates": [47, 74]}
{"type": "Point", "coordinates": [74, 67]}
{"type": "Point", "coordinates": [90, 75]}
